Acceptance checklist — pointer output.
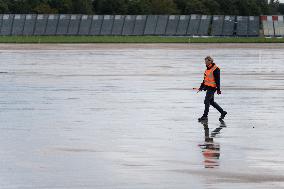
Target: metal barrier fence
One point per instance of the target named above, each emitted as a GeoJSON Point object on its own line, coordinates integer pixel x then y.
{"type": "Point", "coordinates": [160, 25]}
{"type": "Point", "coordinates": [278, 24]}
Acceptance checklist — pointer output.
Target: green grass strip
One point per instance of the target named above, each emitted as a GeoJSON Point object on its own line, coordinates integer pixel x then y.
{"type": "Point", "coordinates": [134, 39]}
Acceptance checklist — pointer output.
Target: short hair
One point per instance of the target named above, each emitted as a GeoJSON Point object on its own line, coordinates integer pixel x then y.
{"type": "Point", "coordinates": [209, 58]}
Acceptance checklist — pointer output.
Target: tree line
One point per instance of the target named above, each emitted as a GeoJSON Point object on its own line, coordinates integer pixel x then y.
{"type": "Point", "coordinates": [134, 7]}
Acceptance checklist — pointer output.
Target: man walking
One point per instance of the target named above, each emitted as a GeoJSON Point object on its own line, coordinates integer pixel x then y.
{"type": "Point", "coordinates": [211, 84]}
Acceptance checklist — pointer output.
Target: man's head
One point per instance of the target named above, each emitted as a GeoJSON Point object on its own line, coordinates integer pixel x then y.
{"type": "Point", "coordinates": [208, 60]}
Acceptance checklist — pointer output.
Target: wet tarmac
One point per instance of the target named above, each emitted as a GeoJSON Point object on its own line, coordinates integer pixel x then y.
{"type": "Point", "coordinates": [125, 117]}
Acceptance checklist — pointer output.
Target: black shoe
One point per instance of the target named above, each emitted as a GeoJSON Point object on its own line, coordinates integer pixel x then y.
{"type": "Point", "coordinates": [223, 115]}
{"type": "Point", "coordinates": [203, 118]}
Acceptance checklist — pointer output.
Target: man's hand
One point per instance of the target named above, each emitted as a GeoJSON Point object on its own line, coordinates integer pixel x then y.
{"type": "Point", "coordinates": [197, 89]}
{"type": "Point", "coordinates": [219, 92]}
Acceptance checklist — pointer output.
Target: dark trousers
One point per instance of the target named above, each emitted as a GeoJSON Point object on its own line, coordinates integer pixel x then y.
{"type": "Point", "coordinates": [209, 100]}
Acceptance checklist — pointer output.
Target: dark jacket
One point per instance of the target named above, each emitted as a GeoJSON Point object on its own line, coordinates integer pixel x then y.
{"type": "Point", "coordinates": [216, 74]}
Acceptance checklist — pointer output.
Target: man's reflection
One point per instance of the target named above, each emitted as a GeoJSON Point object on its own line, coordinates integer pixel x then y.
{"type": "Point", "coordinates": [211, 149]}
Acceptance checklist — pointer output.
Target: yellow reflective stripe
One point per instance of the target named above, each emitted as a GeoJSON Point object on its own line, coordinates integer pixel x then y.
{"type": "Point", "coordinates": [211, 82]}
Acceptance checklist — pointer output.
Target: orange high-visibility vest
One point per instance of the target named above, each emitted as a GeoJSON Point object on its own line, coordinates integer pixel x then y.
{"type": "Point", "coordinates": [209, 79]}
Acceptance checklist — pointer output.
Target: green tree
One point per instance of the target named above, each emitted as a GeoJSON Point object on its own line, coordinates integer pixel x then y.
{"type": "Point", "coordinates": [281, 8]}
{"type": "Point", "coordinates": [194, 7]}
{"type": "Point", "coordinates": [181, 5]}
{"type": "Point", "coordinates": [44, 8]}
{"type": "Point", "coordinates": [273, 6]}
{"type": "Point", "coordinates": [263, 5]}
{"type": "Point", "coordinates": [17, 6]}
{"type": "Point", "coordinates": [227, 8]}
{"type": "Point", "coordinates": [139, 7]}
{"type": "Point", "coordinates": [3, 7]}
{"type": "Point", "coordinates": [110, 6]}
{"type": "Point", "coordinates": [211, 7]}
{"type": "Point", "coordinates": [253, 7]}
{"type": "Point", "coordinates": [222, 7]}
{"type": "Point", "coordinates": [242, 7]}
{"type": "Point", "coordinates": [63, 6]}
{"type": "Point", "coordinates": [163, 7]}
{"type": "Point", "coordinates": [82, 7]}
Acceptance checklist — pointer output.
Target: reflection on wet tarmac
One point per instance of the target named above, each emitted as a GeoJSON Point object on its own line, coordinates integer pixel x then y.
{"type": "Point", "coordinates": [211, 149]}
